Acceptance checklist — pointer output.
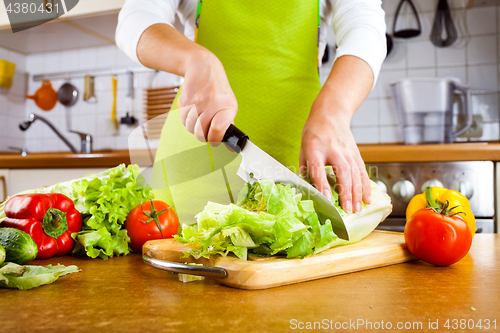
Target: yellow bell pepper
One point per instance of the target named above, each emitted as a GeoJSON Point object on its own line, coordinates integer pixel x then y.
{"type": "Point", "coordinates": [436, 197]}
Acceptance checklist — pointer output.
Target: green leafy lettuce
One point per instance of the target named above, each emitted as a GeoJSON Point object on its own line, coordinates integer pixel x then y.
{"type": "Point", "coordinates": [105, 203]}
{"type": "Point", "coordinates": [269, 219]}
{"type": "Point", "coordinates": [27, 277]}
{"type": "Point", "coordinates": [104, 200]}
{"type": "Point", "coordinates": [272, 219]}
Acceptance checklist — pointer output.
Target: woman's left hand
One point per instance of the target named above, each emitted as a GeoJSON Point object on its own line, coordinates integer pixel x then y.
{"type": "Point", "coordinates": [327, 138]}
{"type": "Point", "coordinates": [327, 141]}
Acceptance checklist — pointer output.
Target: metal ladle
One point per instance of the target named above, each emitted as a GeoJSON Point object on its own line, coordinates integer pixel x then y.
{"type": "Point", "coordinates": [67, 96]}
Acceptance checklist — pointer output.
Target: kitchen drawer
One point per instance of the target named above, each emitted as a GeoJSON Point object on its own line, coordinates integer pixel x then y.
{"type": "Point", "coordinates": [26, 179]}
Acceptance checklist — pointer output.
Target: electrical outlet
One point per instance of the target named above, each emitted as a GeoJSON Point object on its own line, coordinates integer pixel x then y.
{"type": "Point", "coordinates": [476, 129]}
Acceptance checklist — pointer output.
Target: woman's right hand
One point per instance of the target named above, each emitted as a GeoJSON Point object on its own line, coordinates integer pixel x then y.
{"type": "Point", "coordinates": [207, 103]}
{"type": "Point", "coordinates": [205, 82]}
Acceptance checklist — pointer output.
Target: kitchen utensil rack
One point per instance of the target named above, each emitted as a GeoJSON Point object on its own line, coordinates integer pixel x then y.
{"type": "Point", "coordinates": [102, 71]}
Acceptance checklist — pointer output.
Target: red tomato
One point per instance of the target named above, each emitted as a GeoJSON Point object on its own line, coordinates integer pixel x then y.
{"type": "Point", "coordinates": [151, 220]}
{"type": "Point", "coordinates": [436, 238]}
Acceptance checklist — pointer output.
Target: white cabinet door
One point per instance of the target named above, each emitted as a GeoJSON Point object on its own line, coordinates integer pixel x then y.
{"type": "Point", "coordinates": [94, 7]}
{"type": "Point", "coordinates": [27, 179]}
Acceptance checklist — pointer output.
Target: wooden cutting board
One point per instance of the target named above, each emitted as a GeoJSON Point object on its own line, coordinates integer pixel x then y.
{"type": "Point", "coordinates": [380, 248]}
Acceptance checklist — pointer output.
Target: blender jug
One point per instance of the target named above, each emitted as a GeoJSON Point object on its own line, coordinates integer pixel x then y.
{"type": "Point", "coordinates": [424, 107]}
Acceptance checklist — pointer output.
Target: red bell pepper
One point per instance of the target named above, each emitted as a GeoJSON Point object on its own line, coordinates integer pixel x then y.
{"type": "Point", "coordinates": [48, 218]}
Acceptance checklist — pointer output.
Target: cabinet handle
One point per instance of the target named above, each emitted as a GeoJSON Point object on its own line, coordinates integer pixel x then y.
{"type": "Point", "coordinates": [4, 186]}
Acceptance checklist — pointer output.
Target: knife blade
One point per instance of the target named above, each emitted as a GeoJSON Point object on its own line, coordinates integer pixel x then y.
{"type": "Point", "coordinates": [257, 164]}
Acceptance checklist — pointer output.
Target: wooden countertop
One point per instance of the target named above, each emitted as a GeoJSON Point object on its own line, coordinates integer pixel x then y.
{"type": "Point", "coordinates": [370, 154]}
{"type": "Point", "coordinates": [64, 160]}
{"type": "Point", "coordinates": [125, 295]}
{"type": "Point", "coordinates": [430, 153]}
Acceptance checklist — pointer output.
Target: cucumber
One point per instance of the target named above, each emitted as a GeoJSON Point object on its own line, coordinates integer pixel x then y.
{"type": "Point", "coordinates": [2, 254]}
{"type": "Point", "coordinates": [19, 246]}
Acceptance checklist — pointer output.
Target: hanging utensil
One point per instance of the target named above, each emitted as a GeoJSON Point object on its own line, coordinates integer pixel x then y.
{"type": "Point", "coordinates": [406, 33]}
{"type": "Point", "coordinates": [113, 122]}
{"type": "Point", "coordinates": [67, 96]}
{"type": "Point", "coordinates": [129, 99]}
{"type": "Point", "coordinates": [443, 24]}
{"type": "Point", "coordinates": [45, 97]}
{"type": "Point", "coordinates": [389, 43]}
{"type": "Point", "coordinates": [89, 94]}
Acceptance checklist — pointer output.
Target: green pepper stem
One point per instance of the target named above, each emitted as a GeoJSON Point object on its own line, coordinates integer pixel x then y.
{"type": "Point", "coordinates": [431, 202]}
{"type": "Point", "coordinates": [54, 223]}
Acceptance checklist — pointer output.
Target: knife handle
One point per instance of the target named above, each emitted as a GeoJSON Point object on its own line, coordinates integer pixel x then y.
{"type": "Point", "coordinates": [234, 138]}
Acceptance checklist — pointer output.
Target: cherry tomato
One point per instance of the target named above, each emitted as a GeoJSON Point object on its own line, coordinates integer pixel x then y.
{"type": "Point", "coordinates": [437, 238]}
{"type": "Point", "coordinates": [151, 220]}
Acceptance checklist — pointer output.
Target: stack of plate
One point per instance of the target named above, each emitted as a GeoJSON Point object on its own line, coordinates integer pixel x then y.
{"type": "Point", "coordinates": [157, 102]}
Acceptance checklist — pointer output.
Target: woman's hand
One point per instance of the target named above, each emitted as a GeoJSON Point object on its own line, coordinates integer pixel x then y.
{"type": "Point", "coordinates": [327, 138]}
{"type": "Point", "coordinates": [327, 141]}
{"type": "Point", "coordinates": [206, 88]}
{"type": "Point", "coordinates": [209, 104]}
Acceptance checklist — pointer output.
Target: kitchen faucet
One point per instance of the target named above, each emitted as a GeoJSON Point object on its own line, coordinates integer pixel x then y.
{"type": "Point", "coordinates": [85, 139]}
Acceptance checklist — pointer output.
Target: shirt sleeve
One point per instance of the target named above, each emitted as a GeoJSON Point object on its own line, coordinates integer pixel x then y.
{"type": "Point", "coordinates": [138, 15]}
{"type": "Point", "coordinates": [359, 27]}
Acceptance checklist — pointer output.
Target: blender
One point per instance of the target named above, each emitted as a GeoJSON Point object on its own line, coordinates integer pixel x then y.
{"type": "Point", "coordinates": [424, 107]}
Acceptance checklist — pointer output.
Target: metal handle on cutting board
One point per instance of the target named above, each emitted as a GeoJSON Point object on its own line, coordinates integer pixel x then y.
{"type": "Point", "coordinates": [176, 267]}
{"type": "Point", "coordinates": [468, 111]}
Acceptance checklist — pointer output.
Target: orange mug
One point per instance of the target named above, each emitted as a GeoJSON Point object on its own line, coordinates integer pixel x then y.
{"type": "Point", "coordinates": [45, 97]}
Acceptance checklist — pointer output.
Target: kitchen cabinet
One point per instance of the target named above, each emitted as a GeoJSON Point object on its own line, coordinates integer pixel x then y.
{"type": "Point", "coordinates": [91, 23]}
{"type": "Point", "coordinates": [26, 179]}
{"type": "Point", "coordinates": [84, 8]}
{"type": "Point", "coordinates": [94, 7]}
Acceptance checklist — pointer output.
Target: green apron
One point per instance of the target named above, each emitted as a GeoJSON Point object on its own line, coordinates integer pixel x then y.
{"type": "Point", "coordinates": [269, 50]}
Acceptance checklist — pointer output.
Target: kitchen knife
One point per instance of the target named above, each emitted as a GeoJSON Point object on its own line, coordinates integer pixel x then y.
{"type": "Point", "coordinates": [257, 164]}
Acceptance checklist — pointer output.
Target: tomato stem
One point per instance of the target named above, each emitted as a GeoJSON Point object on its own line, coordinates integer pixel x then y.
{"type": "Point", "coordinates": [444, 210]}
{"type": "Point", "coordinates": [153, 215]}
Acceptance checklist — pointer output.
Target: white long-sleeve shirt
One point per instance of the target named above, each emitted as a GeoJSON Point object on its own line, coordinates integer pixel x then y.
{"type": "Point", "coordinates": [359, 26]}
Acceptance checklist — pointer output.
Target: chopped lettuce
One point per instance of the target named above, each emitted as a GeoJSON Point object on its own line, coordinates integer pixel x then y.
{"type": "Point", "coordinates": [272, 219]}
{"type": "Point", "coordinates": [101, 243]}
{"type": "Point", "coordinates": [190, 278]}
{"type": "Point", "coordinates": [27, 277]}
{"type": "Point", "coordinates": [104, 200]}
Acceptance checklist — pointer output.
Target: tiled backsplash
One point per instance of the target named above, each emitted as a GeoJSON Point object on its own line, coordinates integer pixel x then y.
{"type": "Point", "coordinates": [12, 103]}
{"type": "Point", "coordinates": [473, 59]}
{"type": "Point", "coordinates": [92, 118]}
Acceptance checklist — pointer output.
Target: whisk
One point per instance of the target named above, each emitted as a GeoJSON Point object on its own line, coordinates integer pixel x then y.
{"type": "Point", "coordinates": [443, 23]}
